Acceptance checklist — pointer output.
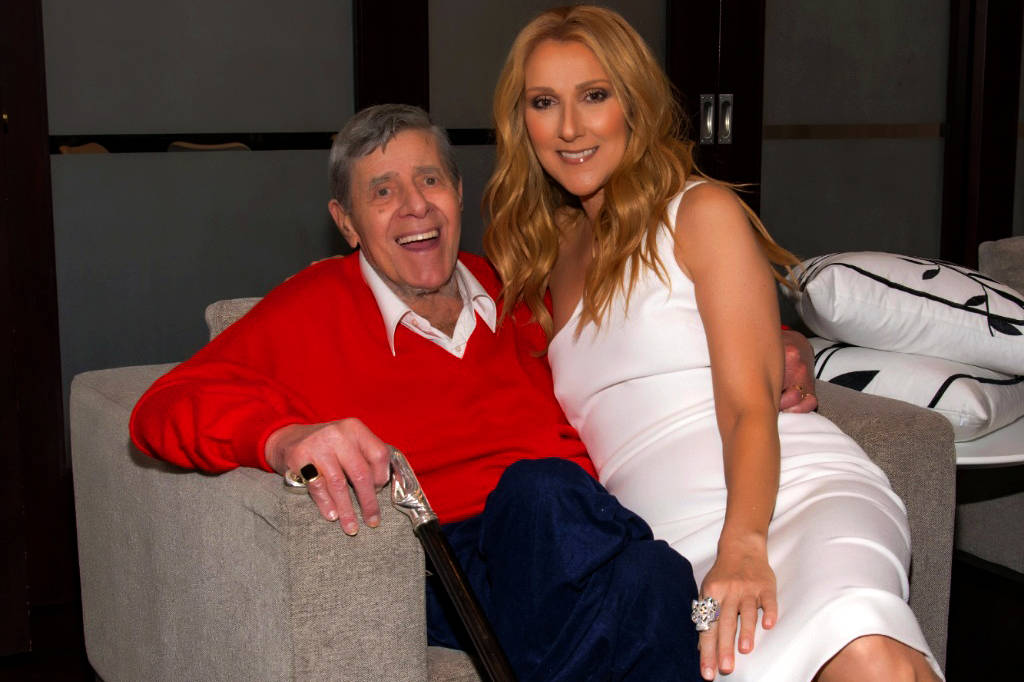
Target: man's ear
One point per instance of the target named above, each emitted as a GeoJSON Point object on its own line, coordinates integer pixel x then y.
{"type": "Point", "coordinates": [344, 222]}
{"type": "Point", "coordinates": [460, 193]}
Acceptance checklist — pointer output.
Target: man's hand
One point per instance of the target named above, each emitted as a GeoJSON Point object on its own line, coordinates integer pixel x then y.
{"type": "Point", "coordinates": [346, 453]}
{"type": "Point", "coordinates": [798, 375]}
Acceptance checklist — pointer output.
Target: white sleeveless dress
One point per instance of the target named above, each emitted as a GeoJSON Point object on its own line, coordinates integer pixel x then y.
{"type": "Point", "coordinates": [639, 392]}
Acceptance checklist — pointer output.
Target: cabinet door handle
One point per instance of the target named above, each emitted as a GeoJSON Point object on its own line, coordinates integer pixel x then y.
{"type": "Point", "coordinates": [725, 114]}
{"type": "Point", "coordinates": [707, 119]}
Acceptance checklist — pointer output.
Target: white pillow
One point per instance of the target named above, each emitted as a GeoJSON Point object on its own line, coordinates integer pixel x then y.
{"type": "Point", "coordinates": [913, 305]}
{"type": "Point", "coordinates": [975, 400]}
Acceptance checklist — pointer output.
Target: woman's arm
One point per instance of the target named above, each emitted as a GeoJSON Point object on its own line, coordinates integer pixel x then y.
{"type": "Point", "coordinates": [717, 248]}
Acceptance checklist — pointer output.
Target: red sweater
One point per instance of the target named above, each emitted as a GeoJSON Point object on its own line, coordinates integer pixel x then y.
{"type": "Point", "coordinates": [315, 350]}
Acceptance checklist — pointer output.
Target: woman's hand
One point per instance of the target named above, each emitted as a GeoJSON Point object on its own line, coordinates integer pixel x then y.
{"type": "Point", "coordinates": [742, 581]}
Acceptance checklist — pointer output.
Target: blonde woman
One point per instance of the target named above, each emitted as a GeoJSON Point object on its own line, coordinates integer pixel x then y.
{"type": "Point", "coordinates": [666, 352]}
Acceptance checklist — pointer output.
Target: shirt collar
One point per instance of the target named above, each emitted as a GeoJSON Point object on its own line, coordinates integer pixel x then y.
{"type": "Point", "coordinates": [393, 309]}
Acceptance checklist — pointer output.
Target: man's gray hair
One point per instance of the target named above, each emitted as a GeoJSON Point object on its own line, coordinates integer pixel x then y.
{"type": "Point", "coordinates": [374, 127]}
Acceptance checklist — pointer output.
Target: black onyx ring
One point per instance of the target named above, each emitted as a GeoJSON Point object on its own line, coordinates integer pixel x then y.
{"type": "Point", "coordinates": [704, 612]}
{"type": "Point", "coordinates": [297, 482]}
{"type": "Point", "coordinates": [309, 473]}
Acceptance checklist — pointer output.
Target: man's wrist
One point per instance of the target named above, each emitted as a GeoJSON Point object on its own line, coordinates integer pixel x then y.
{"type": "Point", "coordinates": [273, 448]}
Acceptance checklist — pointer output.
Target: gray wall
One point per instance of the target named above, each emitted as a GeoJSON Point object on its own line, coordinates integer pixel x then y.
{"type": "Point", "coordinates": [470, 38]}
{"type": "Point", "coordinates": [849, 64]}
{"type": "Point", "coordinates": [145, 241]}
{"type": "Point", "coordinates": [146, 66]}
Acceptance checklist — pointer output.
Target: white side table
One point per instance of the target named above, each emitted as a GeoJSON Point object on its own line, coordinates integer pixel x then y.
{"type": "Point", "coordinates": [990, 497]}
{"type": "Point", "coordinates": [999, 448]}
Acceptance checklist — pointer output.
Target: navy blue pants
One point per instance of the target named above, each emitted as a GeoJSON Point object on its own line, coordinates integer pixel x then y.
{"type": "Point", "coordinates": [573, 582]}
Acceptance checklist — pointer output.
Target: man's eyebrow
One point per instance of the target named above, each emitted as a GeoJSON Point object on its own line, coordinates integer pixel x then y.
{"type": "Point", "coordinates": [421, 170]}
{"type": "Point", "coordinates": [380, 179]}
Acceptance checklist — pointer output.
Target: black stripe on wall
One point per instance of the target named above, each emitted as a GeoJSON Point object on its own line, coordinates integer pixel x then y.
{"type": "Point", "coordinates": [149, 143]}
{"type": "Point", "coordinates": [146, 143]}
{"type": "Point", "coordinates": [840, 131]}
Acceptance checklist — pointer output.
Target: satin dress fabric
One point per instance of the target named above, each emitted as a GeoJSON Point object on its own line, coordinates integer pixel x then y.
{"type": "Point", "coordinates": [638, 389]}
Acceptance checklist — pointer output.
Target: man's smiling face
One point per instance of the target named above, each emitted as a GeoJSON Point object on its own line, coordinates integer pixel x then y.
{"type": "Point", "coordinates": [405, 214]}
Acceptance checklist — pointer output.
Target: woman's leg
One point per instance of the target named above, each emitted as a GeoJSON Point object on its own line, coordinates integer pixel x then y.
{"type": "Point", "coordinates": [876, 657]}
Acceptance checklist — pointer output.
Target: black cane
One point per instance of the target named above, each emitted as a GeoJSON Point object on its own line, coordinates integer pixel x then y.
{"type": "Point", "coordinates": [408, 497]}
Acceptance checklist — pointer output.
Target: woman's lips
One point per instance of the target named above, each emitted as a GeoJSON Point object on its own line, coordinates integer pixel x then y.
{"type": "Point", "coordinates": [579, 157]}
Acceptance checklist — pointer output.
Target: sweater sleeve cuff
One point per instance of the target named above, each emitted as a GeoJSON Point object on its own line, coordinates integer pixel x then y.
{"type": "Point", "coordinates": [258, 431]}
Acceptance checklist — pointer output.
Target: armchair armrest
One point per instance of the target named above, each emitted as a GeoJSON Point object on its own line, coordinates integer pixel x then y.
{"type": "Point", "coordinates": [914, 447]}
{"type": "Point", "coordinates": [192, 576]}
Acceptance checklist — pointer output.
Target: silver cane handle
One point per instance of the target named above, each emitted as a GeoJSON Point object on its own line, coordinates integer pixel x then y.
{"type": "Point", "coordinates": [406, 494]}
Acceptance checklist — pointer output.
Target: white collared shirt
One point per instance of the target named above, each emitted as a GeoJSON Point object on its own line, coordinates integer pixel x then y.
{"type": "Point", "coordinates": [475, 300]}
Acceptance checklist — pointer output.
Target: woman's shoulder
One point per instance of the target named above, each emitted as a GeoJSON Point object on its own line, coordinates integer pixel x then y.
{"type": "Point", "coordinates": [711, 226]}
{"type": "Point", "coordinates": [708, 202]}
{"type": "Point", "coordinates": [706, 193]}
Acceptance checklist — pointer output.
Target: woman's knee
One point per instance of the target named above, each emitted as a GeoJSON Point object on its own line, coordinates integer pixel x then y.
{"type": "Point", "coordinates": [877, 657]}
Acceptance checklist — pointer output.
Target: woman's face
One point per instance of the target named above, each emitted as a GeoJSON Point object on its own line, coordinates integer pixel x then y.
{"type": "Point", "coordinates": [574, 119]}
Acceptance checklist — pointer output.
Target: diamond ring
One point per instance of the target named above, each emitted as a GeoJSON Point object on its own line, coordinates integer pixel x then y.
{"type": "Point", "coordinates": [704, 612]}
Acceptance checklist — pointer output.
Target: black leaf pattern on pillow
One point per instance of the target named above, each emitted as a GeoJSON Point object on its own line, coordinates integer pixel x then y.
{"type": "Point", "coordinates": [1002, 326]}
{"type": "Point", "coordinates": [929, 274]}
{"type": "Point", "coordinates": [976, 300]}
{"type": "Point", "coordinates": [1012, 381]}
{"type": "Point", "coordinates": [855, 380]}
{"type": "Point", "coordinates": [822, 357]}
{"type": "Point", "coordinates": [1009, 297]}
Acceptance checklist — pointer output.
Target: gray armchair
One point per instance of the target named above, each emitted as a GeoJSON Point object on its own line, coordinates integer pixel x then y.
{"type": "Point", "coordinates": [191, 576]}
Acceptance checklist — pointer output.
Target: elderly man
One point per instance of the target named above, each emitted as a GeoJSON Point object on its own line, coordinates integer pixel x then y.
{"type": "Point", "coordinates": [402, 343]}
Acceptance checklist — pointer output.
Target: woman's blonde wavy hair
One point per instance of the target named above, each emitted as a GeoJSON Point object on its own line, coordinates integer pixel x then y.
{"type": "Point", "coordinates": [523, 203]}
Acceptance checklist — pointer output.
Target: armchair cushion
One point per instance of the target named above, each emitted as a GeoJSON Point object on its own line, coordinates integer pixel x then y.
{"type": "Point", "coordinates": [191, 576]}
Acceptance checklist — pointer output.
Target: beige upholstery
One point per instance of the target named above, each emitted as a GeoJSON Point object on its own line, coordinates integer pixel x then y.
{"type": "Point", "coordinates": [914, 447]}
{"type": "Point", "coordinates": [198, 577]}
{"type": "Point", "coordinates": [1003, 261]}
{"type": "Point", "coordinates": [187, 576]}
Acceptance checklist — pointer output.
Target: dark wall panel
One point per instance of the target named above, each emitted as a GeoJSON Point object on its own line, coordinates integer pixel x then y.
{"type": "Point", "coordinates": [146, 241]}
{"type": "Point", "coordinates": [823, 196]}
{"type": "Point", "coordinates": [864, 85]}
{"type": "Point", "coordinates": [148, 66]}
{"type": "Point", "coordinates": [476, 163]}
{"type": "Point", "coordinates": [469, 40]}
